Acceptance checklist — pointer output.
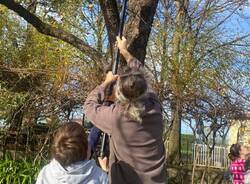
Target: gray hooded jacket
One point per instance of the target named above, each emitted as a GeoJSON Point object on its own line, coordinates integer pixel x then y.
{"type": "Point", "coordinates": [83, 172]}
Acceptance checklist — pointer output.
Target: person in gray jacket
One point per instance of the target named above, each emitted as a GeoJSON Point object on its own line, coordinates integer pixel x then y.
{"type": "Point", "coordinates": [69, 164]}
{"type": "Point", "coordinates": [134, 122]}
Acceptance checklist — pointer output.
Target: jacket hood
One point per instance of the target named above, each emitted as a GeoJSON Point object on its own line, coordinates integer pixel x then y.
{"type": "Point", "coordinates": [78, 173]}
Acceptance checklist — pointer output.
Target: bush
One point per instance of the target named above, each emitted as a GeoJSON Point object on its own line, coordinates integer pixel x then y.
{"type": "Point", "coordinates": [21, 171]}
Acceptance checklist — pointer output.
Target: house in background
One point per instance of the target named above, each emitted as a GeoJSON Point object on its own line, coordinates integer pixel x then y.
{"type": "Point", "coordinates": [239, 131]}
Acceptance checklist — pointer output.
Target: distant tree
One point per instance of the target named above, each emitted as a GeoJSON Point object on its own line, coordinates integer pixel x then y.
{"type": "Point", "coordinates": [197, 62]}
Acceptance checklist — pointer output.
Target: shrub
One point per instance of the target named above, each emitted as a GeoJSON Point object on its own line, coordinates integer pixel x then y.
{"type": "Point", "coordinates": [21, 171]}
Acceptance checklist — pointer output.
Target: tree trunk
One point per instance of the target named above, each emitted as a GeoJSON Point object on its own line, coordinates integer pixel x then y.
{"type": "Point", "coordinates": [138, 27]}
{"type": "Point", "coordinates": [111, 16]}
{"type": "Point", "coordinates": [174, 149]}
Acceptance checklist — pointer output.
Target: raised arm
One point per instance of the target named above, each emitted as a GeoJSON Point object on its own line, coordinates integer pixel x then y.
{"type": "Point", "coordinates": [132, 62]}
{"type": "Point", "coordinates": [102, 116]}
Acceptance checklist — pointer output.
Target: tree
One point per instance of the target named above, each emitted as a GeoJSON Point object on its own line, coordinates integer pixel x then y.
{"type": "Point", "coordinates": [192, 54]}
{"type": "Point", "coordinates": [47, 24]}
{"type": "Point", "coordinates": [48, 76]}
{"type": "Point", "coordinates": [137, 29]}
{"type": "Point", "coordinates": [40, 76]}
{"type": "Point", "coordinates": [198, 65]}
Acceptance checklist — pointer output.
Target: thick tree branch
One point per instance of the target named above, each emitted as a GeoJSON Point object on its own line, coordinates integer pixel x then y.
{"type": "Point", "coordinates": [138, 27]}
{"type": "Point", "coordinates": [111, 16]}
{"type": "Point", "coordinates": [47, 29]}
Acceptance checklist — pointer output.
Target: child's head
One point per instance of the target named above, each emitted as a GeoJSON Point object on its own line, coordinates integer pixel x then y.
{"type": "Point", "coordinates": [237, 151]}
{"type": "Point", "coordinates": [69, 144]}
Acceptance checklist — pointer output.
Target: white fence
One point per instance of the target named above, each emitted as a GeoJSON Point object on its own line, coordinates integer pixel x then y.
{"type": "Point", "coordinates": [199, 153]}
{"type": "Point", "coordinates": [217, 159]}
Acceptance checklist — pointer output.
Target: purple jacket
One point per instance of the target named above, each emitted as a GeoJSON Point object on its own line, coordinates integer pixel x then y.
{"type": "Point", "coordinates": [137, 153]}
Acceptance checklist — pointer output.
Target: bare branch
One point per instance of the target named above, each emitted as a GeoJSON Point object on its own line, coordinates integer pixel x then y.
{"type": "Point", "coordinates": [111, 16]}
{"type": "Point", "coordinates": [47, 29]}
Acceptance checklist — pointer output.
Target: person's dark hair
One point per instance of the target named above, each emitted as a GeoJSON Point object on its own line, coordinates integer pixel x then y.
{"type": "Point", "coordinates": [234, 152]}
{"type": "Point", "coordinates": [69, 144]}
{"type": "Point", "coordinates": [247, 163]}
{"type": "Point", "coordinates": [130, 89]}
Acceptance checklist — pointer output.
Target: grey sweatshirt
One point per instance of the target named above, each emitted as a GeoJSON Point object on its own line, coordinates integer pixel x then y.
{"type": "Point", "coordinates": [83, 172]}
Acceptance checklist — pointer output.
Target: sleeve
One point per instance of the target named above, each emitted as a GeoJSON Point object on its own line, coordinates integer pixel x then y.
{"type": "Point", "coordinates": [102, 116]}
{"type": "Point", "coordinates": [135, 64]}
{"type": "Point", "coordinates": [93, 137]}
{"type": "Point", "coordinates": [103, 176]}
{"type": "Point", "coordinates": [40, 176]}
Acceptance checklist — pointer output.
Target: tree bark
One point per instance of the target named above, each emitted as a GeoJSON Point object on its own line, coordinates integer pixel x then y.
{"type": "Point", "coordinates": [47, 29]}
{"type": "Point", "coordinates": [138, 27]}
{"type": "Point", "coordinates": [174, 149]}
{"type": "Point", "coordinates": [111, 16]}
